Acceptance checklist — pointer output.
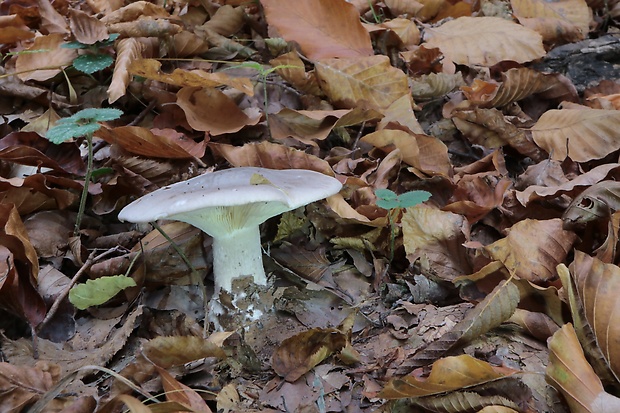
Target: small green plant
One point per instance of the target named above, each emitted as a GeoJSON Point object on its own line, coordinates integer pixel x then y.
{"type": "Point", "coordinates": [394, 204]}
{"type": "Point", "coordinates": [82, 124]}
{"type": "Point", "coordinates": [94, 60]}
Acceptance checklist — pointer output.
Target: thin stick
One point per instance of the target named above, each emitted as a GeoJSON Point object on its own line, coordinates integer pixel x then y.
{"type": "Point", "coordinates": [89, 262]}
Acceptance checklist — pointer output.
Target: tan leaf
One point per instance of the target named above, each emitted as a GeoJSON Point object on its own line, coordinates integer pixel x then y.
{"type": "Point", "coordinates": [151, 69]}
{"type": "Point", "coordinates": [595, 203]}
{"type": "Point", "coordinates": [438, 236]}
{"type": "Point", "coordinates": [172, 351]}
{"type": "Point", "coordinates": [22, 385]}
{"type": "Point", "coordinates": [425, 153]}
{"type": "Point", "coordinates": [157, 143]}
{"type": "Point", "coordinates": [497, 307]}
{"type": "Point", "coordinates": [435, 85]}
{"type": "Point", "coordinates": [51, 20]}
{"type": "Point", "coordinates": [182, 394]}
{"type": "Point", "coordinates": [406, 8]}
{"type": "Point", "coordinates": [447, 374]}
{"type": "Point", "coordinates": [558, 21]}
{"type": "Point", "coordinates": [227, 20]}
{"type": "Point", "coordinates": [85, 28]}
{"type": "Point", "coordinates": [405, 29]}
{"type": "Point", "coordinates": [310, 125]}
{"type": "Point", "coordinates": [188, 44]}
{"type": "Point", "coordinates": [485, 41]}
{"type": "Point", "coordinates": [489, 128]}
{"type": "Point", "coordinates": [207, 109]}
{"type": "Point", "coordinates": [127, 51]}
{"type": "Point", "coordinates": [145, 27]}
{"type": "Point", "coordinates": [399, 115]}
{"type": "Point", "coordinates": [271, 155]}
{"type": "Point", "coordinates": [579, 134]}
{"type": "Point", "coordinates": [13, 29]}
{"type": "Point", "coordinates": [323, 28]}
{"type": "Point", "coordinates": [299, 354]}
{"type": "Point", "coordinates": [597, 285]}
{"type": "Point", "coordinates": [532, 249]}
{"type": "Point", "coordinates": [292, 70]}
{"type": "Point", "coordinates": [135, 10]}
{"type": "Point", "coordinates": [349, 83]}
{"type": "Point", "coordinates": [569, 372]}
{"type": "Point", "coordinates": [46, 60]}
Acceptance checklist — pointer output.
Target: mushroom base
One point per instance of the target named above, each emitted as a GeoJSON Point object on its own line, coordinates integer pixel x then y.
{"type": "Point", "coordinates": [238, 254]}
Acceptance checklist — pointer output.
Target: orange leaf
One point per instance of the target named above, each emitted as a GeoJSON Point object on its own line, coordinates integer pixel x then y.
{"type": "Point", "coordinates": [323, 28]}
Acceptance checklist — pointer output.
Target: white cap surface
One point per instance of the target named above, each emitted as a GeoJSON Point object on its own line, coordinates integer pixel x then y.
{"type": "Point", "coordinates": [233, 198]}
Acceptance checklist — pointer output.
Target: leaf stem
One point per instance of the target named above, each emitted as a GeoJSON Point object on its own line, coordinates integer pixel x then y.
{"type": "Point", "coordinates": [87, 178]}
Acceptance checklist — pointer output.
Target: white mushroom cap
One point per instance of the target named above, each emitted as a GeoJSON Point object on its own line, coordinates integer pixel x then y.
{"type": "Point", "coordinates": [225, 200]}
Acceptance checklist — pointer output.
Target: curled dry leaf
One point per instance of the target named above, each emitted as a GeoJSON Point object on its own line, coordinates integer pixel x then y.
{"type": "Point", "coordinates": [207, 109]}
{"type": "Point", "coordinates": [46, 60]}
{"type": "Point", "coordinates": [227, 20]}
{"type": "Point", "coordinates": [371, 81]}
{"type": "Point", "coordinates": [156, 143]}
{"type": "Point", "coordinates": [292, 70]}
{"type": "Point", "coordinates": [560, 21]}
{"type": "Point", "coordinates": [399, 115]}
{"type": "Point", "coordinates": [425, 153]}
{"type": "Point", "coordinates": [595, 203]}
{"type": "Point", "coordinates": [438, 236]}
{"type": "Point", "coordinates": [127, 51]}
{"type": "Point", "coordinates": [569, 372]}
{"type": "Point", "coordinates": [580, 134]}
{"type": "Point", "coordinates": [447, 374]}
{"type": "Point", "coordinates": [133, 11]}
{"type": "Point", "coordinates": [167, 352]}
{"type": "Point", "coordinates": [598, 285]}
{"type": "Point", "coordinates": [322, 28]}
{"type": "Point", "coordinates": [532, 249]}
{"type": "Point", "coordinates": [271, 155]}
{"type": "Point", "coordinates": [181, 394]}
{"type": "Point", "coordinates": [485, 41]}
{"type": "Point", "coordinates": [145, 27]}
{"type": "Point", "coordinates": [13, 29]}
{"type": "Point", "coordinates": [85, 28]}
{"type": "Point", "coordinates": [299, 354]}
{"type": "Point", "coordinates": [435, 85]}
{"type": "Point", "coordinates": [497, 307]}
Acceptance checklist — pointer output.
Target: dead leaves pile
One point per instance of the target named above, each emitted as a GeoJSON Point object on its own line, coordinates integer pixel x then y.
{"type": "Point", "coordinates": [474, 102]}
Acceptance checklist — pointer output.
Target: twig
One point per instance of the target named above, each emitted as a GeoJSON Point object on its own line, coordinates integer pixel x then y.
{"type": "Point", "coordinates": [89, 262]}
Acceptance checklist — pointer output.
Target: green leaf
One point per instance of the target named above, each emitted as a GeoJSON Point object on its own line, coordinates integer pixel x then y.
{"type": "Point", "coordinates": [412, 198]}
{"type": "Point", "coordinates": [67, 131]}
{"type": "Point", "coordinates": [94, 115]}
{"type": "Point", "coordinates": [386, 194]}
{"type": "Point", "coordinates": [109, 41]}
{"type": "Point", "coordinates": [388, 203]}
{"type": "Point", "coordinates": [91, 63]}
{"type": "Point", "coordinates": [73, 45]}
{"type": "Point", "coordinates": [98, 291]}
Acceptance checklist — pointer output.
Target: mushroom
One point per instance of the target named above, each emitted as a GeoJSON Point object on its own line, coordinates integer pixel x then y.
{"type": "Point", "coordinates": [229, 205]}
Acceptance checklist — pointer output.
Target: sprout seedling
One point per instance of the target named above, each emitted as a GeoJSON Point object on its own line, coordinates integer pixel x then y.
{"type": "Point", "coordinates": [388, 199]}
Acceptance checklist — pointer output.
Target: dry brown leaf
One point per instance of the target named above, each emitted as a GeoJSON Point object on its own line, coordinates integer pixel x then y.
{"type": "Point", "coordinates": [151, 69]}
{"type": "Point", "coordinates": [323, 28]}
{"type": "Point", "coordinates": [157, 143]}
{"type": "Point", "coordinates": [168, 352]}
{"type": "Point", "coordinates": [399, 115]}
{"type": "Point", "coordinates": [292, 70]}
{"type": "Point", "coordinates": [597, 285]}
{"type": "Point", "coordinates": [437, 236]}
{"type": "Point", "coordinates": [271, 155]}
{"type": "Point", "coordinates": [447, 374]}
{"type": "Point", "coordinates": [405, 8]}
{"type": "Point", "coordinates": [46, 60]}
{"type": "Point", "coordinates": [569, 372]}
{"type": "Point", "coordinates": [310, 125]}
{"type": "Point", "coordinates": [182, 394]}
{"type": "Point", "coordinates": [188, 44]}
{"type": "Point", "coordinates": [595, 203]}
{"type": "Point", "coordinates": [22, 385]}
{"type": "Point", "coordinates": [208, 109]}
{"type": "Point", "coordinates": [51, 20]}
{"type": "Point", "coordinates": [485, 41]}
{"type": "Point", "coordinates": [489, 128]}
{"type": "Point", "coordinates": [497, 307]}
{"type": "Point", "coordinates": [532, 249]}
{"type": "Point", "coordinates": [579, 134]}
{"type": "Point", "coordinates": [298, 354]}
{"type": "Point", "coordinates": [145, 27]}
{"type": "Point", "coordinates": [133, 11]}
{"type": "Point", "coordinates": [405, 29]}
{"type": "Point", "coordinates": [85, 28]}
{"type": "Point", "coordinates": [127, 51]}
{"type": "Point", "coordinates": [227, 20]}
{"type": "Point", "coordinates": [13, 29]}
{"type": "Point", "coordinates": [372, 81]}
{"type": "Point", "coordinates": [425, 153]}
{"type": "Point", "coordinates": [435, 85]}
{"type": "Point", "coordinates": [559, 21]}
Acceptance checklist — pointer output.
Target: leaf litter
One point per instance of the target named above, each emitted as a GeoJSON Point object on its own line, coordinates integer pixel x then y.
{"type": "Point", "coordinates": [383, 299]}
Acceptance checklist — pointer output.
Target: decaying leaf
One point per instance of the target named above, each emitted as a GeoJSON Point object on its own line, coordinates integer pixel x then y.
{"type": "Point", "coordinates": [300, 353]}
{"type": "Point", "coordinates": [597, 202]}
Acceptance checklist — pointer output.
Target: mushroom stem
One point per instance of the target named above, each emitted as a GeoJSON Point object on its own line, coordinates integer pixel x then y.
{"type": "Point", "coordinates": [238, 254]}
